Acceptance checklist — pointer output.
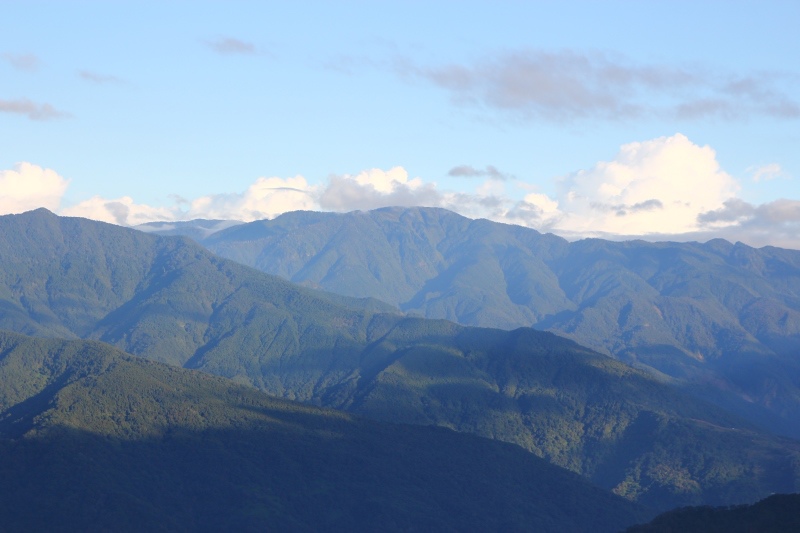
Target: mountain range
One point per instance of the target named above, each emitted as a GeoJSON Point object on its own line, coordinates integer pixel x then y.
{"type": "Point", "coordinates": [170, 300]}
{"type": "Point", "coordinates": [723, 319]}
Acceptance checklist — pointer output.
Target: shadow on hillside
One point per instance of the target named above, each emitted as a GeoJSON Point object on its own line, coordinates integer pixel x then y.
{"type": "Point", "coordinates": [305, 474]}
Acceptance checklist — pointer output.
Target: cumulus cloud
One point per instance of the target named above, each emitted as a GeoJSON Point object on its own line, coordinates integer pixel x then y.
{"type": "Point", "coordinates": [664, 188]}
{"type": "Point", "coordinates": [377, 188]}
{"type": "Point", "coordinates": [231, 46]}
{"type": "Point", "coordinates": [467, 171]}
{"type": "Point", "coordinates": [568, 85]}
{"type": "Point", "coordinates": [535, 210]}
{"type": "Point", "coordinates": [269, 197]}
{"type": "Point", "coordinates": [32, 110]}
{"type": "Point", "coordinates": [28, 186]}
{"type": "Point", "coordinates": [650, 187]}
{"type": "Point", "coordinates": [22, 61]}
{"type": "Point", "coordinates": [775, 223]}
{"type": "Point", "coordinates": [121, 211]}
{"type": "Point", "coordinates": [265, 198]}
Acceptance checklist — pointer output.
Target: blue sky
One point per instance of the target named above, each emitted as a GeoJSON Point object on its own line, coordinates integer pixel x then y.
{"type": "Point", "coordinates": [662, 120]}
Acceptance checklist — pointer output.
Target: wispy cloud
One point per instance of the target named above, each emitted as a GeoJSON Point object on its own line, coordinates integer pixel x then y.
{"type": "Point", "coordinates": [467, 171]}
{"type": "Point", "coordinates": [766, 172]}
{"type": "Point", "coordinates": [32, 110]}
{"type": "Point", "coordinates": [763, 98]}
{"type": "Point", "coordinates": [121, 211]}
{"type": "Point", "coordinates": [231, 46]}
{"type": "Point", "coordinates": [94, 77]}
{"type": "Point", "coordinates": [568, 85]}
{"type": "Point", "coordinates": [27, 62]}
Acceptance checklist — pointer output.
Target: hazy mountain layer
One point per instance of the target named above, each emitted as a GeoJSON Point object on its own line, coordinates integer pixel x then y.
{"type": "Point", "coordinates": [724, 317]}
{"type": "Point", "coordinates": [170, 300]}
{"type": "Point", "coordinates": [197, 229]}
{"type": "Point", "coordinates": [92, 439]}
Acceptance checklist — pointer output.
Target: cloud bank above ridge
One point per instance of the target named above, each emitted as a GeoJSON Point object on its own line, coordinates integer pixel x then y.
{"type": "Point", "coordinates": [663, 188]}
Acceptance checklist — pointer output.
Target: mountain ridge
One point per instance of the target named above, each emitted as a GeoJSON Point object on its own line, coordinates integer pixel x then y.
{"type": "Point", "coordinates": [717, 313]}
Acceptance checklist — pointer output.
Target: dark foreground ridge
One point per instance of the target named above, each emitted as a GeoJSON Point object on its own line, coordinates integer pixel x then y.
{"type": "Point", "coordinates": [779, 513]}
{"type": "Point", "coordinates": [92, 439]}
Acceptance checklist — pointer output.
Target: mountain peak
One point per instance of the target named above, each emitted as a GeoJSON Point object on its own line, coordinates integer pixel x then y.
{"type": "Point", "coordinates": [38, 212]}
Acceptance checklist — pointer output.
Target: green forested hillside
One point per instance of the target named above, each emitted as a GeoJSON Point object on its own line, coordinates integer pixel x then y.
{"type": "Point", "coordinates": [170, 300]}
{"type": "Point", "coordinates": [723, 318]}
{"type": "Point", "coordinates": [92, 439]}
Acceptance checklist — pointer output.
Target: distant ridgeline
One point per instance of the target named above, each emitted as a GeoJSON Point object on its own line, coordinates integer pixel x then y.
{"type": "Point", "coordinates": [170, 300]}
{"type": "Point", "coordinates": [723, 318]}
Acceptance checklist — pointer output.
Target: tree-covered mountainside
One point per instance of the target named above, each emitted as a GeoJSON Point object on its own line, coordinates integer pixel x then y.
{"type": "Point", "coordinates": [92, 439]}
{"type": "Point", "coordinates": [779, 513]}
{"type": "Point", "coordinates": [170, 300]}
{"type": "Point", "coordinates": [722, 317]}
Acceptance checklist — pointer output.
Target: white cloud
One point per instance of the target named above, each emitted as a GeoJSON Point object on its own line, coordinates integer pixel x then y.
{"type": "Point", "coordinates": [122, 211]}
{"type": "Point", "coordinates": [376, 188]}
{"type": "Point", "coordinates": [29, 186]}
{"type": "Point", "coordinates": [651, 187]}
{"type": "Point", "coordinates": [265, 198]}
{"type": "Point", "coordinates": [385, 181]}
{"type": "Point", "coordinates": [269, 197]}
{"type": "Point", "coordinates": [664, 188]}
{"type": "Point", "coordinates": [547, 207]}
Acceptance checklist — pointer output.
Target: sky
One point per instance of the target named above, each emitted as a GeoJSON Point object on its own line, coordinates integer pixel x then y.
{"type": "Point", "coordinates": [616, 119]}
